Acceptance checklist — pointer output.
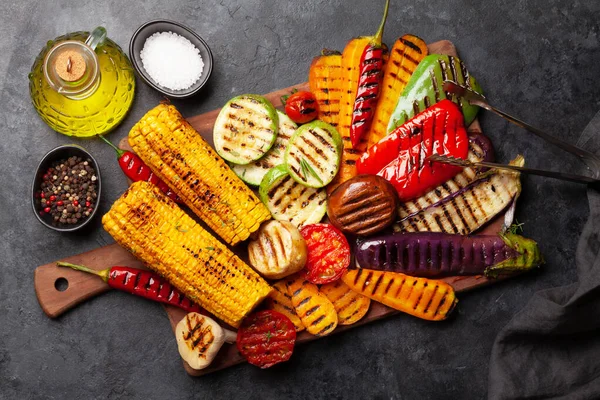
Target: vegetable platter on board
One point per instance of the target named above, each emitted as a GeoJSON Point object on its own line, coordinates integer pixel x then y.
{"type": "Point", "coordinates": [286, 217]}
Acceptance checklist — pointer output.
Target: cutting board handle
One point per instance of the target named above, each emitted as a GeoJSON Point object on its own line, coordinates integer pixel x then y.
{"type": "Point", "coordinates": [59, 289]}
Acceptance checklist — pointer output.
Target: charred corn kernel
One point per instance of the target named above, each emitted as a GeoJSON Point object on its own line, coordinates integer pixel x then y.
{"type": "Point", "coordinates": [350, 73]}
{"type": "Point", "coordinates": [325, 80]}
{"type": "Point", "coordinates": [349, 305]}
{"type": "Point", "coordinates": [280, 300]}
{"type": "Point", "coordinates": [314, 309]}
{"type": "Point", "coordinates": [424, 298]}
{"type": "Point", "coordinates": [179, 156]}
{"type": "Point", "coordinates": [170, 242]}
{"type": "Point", "coordinates": [406, 54]}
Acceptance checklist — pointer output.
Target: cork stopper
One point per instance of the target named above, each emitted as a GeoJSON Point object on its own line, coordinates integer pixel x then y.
{"type": "Point", "coordinates": [70, 66]}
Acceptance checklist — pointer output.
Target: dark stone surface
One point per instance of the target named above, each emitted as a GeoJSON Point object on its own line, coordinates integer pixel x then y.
{"type": "Point", "coordinates": [538, 59]}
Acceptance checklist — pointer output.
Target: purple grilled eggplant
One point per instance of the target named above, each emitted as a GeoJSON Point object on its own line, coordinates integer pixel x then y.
{"type": "Point", "coordinates": [434, 254]}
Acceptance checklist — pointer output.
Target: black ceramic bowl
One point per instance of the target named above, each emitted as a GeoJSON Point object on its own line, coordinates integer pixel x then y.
{"type": "Point", "coordinates": [61, 153]}
{"type": "Point", "coordinates": [148, 29]}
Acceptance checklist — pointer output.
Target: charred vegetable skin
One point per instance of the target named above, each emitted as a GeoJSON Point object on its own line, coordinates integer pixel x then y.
{"type": "Point", "coordinates": [325, 80]}
{"type": "Point", "coordinates": [266, 338]}
{"type": "Point", "coordinates": [363, 205]}
{"type": "Point", "coordinates": [424, 298]}
{"type": "Point", "coordinates": [140, 283]}
{"type": "Point", "coordinates": [369, 84]}
{"type": "Point", "coordinates": [432, 254]}
{"type": "Point", "coordinates": [135, 169]}
{"type": "Point", "coordinates": [400, 156]}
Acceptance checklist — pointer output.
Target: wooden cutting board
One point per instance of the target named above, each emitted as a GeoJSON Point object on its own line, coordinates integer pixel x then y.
{"type": "Point", "coordinates": [49, 278]}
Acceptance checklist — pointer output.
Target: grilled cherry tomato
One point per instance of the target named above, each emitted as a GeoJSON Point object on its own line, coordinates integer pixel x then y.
{"type": "Point", "coordinates": [328, 253]}
{"type": "Point", "coordinates": [301, 107]}
{"type": "Point", "coordinates": [266, 338]}
{"type": "Point", "coordinates": [400, 156]}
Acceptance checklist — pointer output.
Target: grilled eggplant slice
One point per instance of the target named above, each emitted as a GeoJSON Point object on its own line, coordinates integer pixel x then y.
{"type": "Point", "coordinates": [314, 308]}
{"type": "Point", "coordinates": [254, 172]}
{"type": "Point", "coordinates": [349, 305]}
{"type": "Point", "coordinates": [281, 301]}
{"type": "Point", "coordinates": [245, 129]}
{"type": "Point", "coordinates": [313, 154]}
{"type": "Point", "coordinates": [435, 254]}
{"type": "Point", "coordinates": [363, 205]}
{"type": "Point", "coordinates": [278, 250]}
{"type": "Point", "coordinates": [424, 298]}
{"type": "Point", "coordinates": [288, 200]}
{"type": "Point", "coordinates": [468, 208]}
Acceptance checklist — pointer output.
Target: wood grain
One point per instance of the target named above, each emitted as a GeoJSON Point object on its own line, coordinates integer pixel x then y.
{"type": "Point", "coordinates": [84, 286]}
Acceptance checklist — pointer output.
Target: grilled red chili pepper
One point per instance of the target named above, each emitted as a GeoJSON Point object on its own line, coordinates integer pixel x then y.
{"type": "Point", "coordinates": [400, 156]}
{"type": "Point", "coordinates": [141, 283]}
{"type": "Point", "coordinates": [369, 84]}
{"type": "Point", "coordinates": [136, 170]}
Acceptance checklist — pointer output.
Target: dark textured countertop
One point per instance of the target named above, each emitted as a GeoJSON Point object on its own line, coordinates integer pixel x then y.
{"type": "Point", "coordinates": [538, 59]}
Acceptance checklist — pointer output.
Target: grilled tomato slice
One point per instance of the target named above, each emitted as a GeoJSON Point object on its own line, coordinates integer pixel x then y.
{"type": "Point", "coordinates": [328, 253]}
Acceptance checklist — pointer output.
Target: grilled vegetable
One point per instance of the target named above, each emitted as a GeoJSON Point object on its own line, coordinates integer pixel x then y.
{"type": "Point", "coordinates": [278, 250]}
{"type": "Point", "coordinates": [151, 226]}
{"type": "Point", "coordinates": [141, 283]}
{"type": "Point", "coordinates": [325, 80]}
{"type": "Point", "coordinates": [400, 156]}
{"type": "Point", "coordinates": [314, 308]}
{"type": "Point", "coordinates": [245, 129]}
{"type": "Point", "coordinates": [406, 54]}
{"type": "Point", "coordinates": [184, 161]}
{"type": "Point", "coordinates": [363, 205]}
{"type": "Point", "coordinates": [199, 339]}
{"type": "Point", "coordinates": [468, 208]}
{"type": "Point", "coordinates": [287, 200]}
{"type": "Point", "coordinates": [301, 107]}
{"type": "Point", "coordinates": [281, 301]}
{"type": "Point", "coordinates": [434, 254]}
{"type": "Point", "coordinates": [425, 89]}
{"type": "Point", "coordinates": [480, 149]}
{"type": "Point", "coordinates": [135, 169]}
{"type": "Point", "coordinates": [328, 253]}
{"type": "Point", "coordinates": [369, 84]}
{"type": "Point", "coordinates": [255, 171]}
{"type": "Point", "coordinates": [266, 338]}
{"type": "Point", "coordinates": [349, 305]}
{"type": "Point", "coordinates": [421, 297]}
{"type": "Point", "coordinates": [313, 154]}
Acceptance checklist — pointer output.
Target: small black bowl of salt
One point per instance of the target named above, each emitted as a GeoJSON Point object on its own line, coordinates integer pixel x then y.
{"type": "Point", "coordinates": [171, 58]}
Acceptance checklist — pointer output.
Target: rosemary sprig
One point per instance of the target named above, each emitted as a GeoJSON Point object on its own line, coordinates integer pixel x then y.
{"type": "Point", "coordinates": [516, 227]}
{"type": "Point", "coordinates": [308, 169]}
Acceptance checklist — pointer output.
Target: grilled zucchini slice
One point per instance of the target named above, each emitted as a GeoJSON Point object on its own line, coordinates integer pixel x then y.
{"type": "Point", "coordinates": [313, 154]}
{"type": "Point", "coordinates": [288, 200]}
{"type": "Point", "coordinates": [253, 172]}
{"type": "Point", "coordinates": [245, 129]}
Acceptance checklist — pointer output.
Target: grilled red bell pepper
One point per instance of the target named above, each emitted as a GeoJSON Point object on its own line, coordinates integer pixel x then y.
{"type": "Point", "coordinates": [136, 170]}
{"type": "Point", "coordinates": [369, 84]}
{"type": "Point", "coordinates": [141, 283]}
{"type": "Point", "coordinates": [400, 156]}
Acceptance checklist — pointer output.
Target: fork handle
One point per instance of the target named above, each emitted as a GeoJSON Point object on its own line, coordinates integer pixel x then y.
{"type": "Point", "coordinates": [550, 174]}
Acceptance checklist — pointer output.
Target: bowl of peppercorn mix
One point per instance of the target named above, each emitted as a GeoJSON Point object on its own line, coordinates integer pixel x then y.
{"type": "Point", "coordinates": [66, 188]}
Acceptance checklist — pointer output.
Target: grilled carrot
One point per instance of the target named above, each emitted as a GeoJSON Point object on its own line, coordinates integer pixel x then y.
{"type": "Point", "coordinates": [428, 299]}
{"type": "Point", "coordinates": [280, 300]}
{"type": "Point", "coordinates": [325, 80]}
{"type": "Point", "coordinates": [314, 308]}
{"type": "Point", "coordinates": [349, 305]}
{"type": "Point", "coordinates": [406, 54]}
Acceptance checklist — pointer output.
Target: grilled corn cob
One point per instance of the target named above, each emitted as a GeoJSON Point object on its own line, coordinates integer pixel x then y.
{"type": "Point", "coordinates": [179, 156]}
{"type": "Point", "coordinates": [170, 242]}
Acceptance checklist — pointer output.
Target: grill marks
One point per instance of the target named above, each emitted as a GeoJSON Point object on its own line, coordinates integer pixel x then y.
{"type": "Point", "coordinates": [313, 308]}
{"type": "Point", "coordinates": [421, 297]}
{"type": "Point", "coordinates": [199, 336]}
{"type": "Point", "coordinates": [349, 305]}
{"type": "Point", "coordinates": [245, 129]}
{"type": "Point", "coordinates": [325, 80]}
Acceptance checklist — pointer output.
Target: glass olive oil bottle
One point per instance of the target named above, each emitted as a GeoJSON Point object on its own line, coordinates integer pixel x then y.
{"type": "Point", "coordinates": [82, 84]}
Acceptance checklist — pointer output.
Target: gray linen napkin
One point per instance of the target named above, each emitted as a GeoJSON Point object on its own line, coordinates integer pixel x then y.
{"type": "Point", "coordinates": [551, 348]}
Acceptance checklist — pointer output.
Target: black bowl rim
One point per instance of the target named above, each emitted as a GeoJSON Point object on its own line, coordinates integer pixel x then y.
{"type": "Point", "coordinates": [33, 185]}
{"type": "Point", "coordinates": [143, 73]}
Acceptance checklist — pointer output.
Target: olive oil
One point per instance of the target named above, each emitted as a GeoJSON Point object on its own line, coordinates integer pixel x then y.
{"type": "Point", "coordinates": [106, 94]}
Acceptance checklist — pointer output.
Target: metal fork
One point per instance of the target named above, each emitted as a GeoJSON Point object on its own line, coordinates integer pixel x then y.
{"type": "Point", "coordinates": [591, 160]}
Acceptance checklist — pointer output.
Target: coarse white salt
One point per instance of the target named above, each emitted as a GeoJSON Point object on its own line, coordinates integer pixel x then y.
{"type": "Point", "coordinates": [171, 60]}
